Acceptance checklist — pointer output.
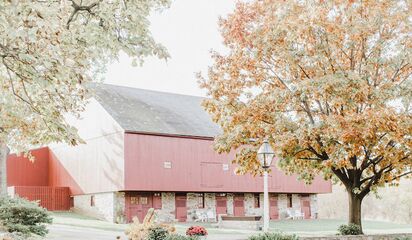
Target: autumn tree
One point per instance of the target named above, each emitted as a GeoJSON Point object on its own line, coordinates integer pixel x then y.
{"type": "Point", "coordinates": [49, 50]}
{"type": "Point", "coordinates": [327, 82]}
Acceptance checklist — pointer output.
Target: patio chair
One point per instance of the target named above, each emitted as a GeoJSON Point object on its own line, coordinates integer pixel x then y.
{"type": "Point", "coordinates": [211, 216]}
{"type": "Point", "coordinates": [289, 214]}
{"type": "Point", "coordinates": [201, 217]}
{"type": "Point", "coordinates": [299, 215]}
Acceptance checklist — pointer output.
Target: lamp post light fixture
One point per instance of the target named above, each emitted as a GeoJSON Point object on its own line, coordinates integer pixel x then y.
{"type": "Point", "coordinates": [265, 156]}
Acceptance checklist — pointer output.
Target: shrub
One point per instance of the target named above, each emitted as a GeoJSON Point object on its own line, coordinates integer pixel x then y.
{"type": "Point", "coordinates": [22, 216]}
{"type": "Point", "coordinates": [350, 229]}
{"type": "Point", "coordinates": [148, 228]}
{"type": "Point", "coordinates": [273, 236]}
{"type": "Point", "coordinates": [157, 233]}
{"type": "Point", "coordinates": [180, 237]}
{"type": "Point", "coordinates": [196, 231]}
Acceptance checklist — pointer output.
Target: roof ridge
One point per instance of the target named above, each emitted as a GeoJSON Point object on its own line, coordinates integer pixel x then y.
{"type": "Point", "coordinates": [147, 90]}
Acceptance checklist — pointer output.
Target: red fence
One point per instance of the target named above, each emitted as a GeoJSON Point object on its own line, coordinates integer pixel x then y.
{"type": "Point", "coordinates": [51, 198]}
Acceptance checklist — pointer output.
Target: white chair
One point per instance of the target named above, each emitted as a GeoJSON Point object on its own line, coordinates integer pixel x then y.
{"type": "Point", "coordinates": [299, 215]}
{"type": "Point", "coordinates": [200, 217]}
{"type": "Point", "coordinates": [211, 216]}
{"type": "Point", "coordinates": [290, 214]}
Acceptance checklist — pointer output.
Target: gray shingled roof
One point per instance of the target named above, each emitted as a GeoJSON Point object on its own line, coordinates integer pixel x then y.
{"type": "Point", "coordinates": [149, 111]}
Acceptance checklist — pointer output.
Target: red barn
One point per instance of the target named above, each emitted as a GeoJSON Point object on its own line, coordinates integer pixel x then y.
{"type": "Point", "coordinates": [146, 149]}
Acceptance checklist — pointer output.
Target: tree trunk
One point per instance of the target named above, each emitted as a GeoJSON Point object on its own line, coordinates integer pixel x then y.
{"type": "Point", "coordinates": [4, 152]}
{"type": "Point", "coordinates": [355, 209]}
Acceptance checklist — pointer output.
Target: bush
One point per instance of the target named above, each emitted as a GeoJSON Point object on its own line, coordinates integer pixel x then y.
{"type": "Point", "coordinates": [350, 229]}
{"type": "Point", "coordinates": [22, 216]}
{"type": "Point", "coordinates": [148, 229]}
{"type": "Point", "coordinates": [273, 236]}
{"type": "Point", "coordinates": [157, 233]}
{"type": "Point", "coordinates": [196, 231]}
{"type": "Point", "coordinates": [180, 237]}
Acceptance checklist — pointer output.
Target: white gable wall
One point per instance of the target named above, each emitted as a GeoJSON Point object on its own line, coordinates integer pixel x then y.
{"type": "Point", "coordinates": [98, 165]}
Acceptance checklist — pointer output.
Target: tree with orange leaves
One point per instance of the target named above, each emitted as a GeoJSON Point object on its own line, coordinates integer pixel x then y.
{"type": "Point", "coordinates": [328, 83]}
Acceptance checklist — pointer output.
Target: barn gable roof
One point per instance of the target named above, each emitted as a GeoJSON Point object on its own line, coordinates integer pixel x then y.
{"type": "Point", "coordinates": [139, 110]}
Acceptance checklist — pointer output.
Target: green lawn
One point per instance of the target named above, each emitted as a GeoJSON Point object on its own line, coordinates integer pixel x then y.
{"type": "Point", "coordinates": [299, 227]}
{"type": "Point", "coordinates": [329, 226]}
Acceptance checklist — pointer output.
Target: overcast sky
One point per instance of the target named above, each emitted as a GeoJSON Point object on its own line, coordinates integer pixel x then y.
{"type": "Point", "coordinates": [189, 30]}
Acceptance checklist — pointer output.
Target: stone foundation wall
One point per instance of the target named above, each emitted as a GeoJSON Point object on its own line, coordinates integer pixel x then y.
{"type": "Point", "coordinates": [229, 199]}
{"type": "Point", "coordinates": [250, 209]}
{"type": "Point", "coordinates": [283, 205]}
{"type": "Point", "coordinates": [167, 213]}
{"type": "Point", "coordinates": [119, 207]}
{"type": "Point", "coordinates": [314, 206]}
{"type": "Point", "coordinates": [193, 210]}
{"type": "Point", "coordinates": [106, 205]}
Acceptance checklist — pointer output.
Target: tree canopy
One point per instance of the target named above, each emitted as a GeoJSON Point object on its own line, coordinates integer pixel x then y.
{"type": "Point", "coordinates": [49, 50]}
{"type": "Point", "coordinates": [328, 83]}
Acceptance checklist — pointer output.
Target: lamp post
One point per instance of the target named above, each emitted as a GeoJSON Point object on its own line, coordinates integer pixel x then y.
{"type": "Point", "coordinates": [265, 156]}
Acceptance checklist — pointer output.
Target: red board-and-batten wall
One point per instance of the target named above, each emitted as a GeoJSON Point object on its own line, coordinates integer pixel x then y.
{"type": "Point", "coordinates": [23, 172]}
{"type": "Point", "coordinates": [31, 179]}
{"type": "Point", "coordinates": [196, 167]}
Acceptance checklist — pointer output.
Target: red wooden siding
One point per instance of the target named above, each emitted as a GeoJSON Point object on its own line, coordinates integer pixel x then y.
{"type": "Point", "coordinates": [273, 207]}
{"type": "Point", "coordinates": [138, 204]}
{"type": "Point", "coordinates": [23, 172]}
{"type": "Point", "coordinates": [239, 205]}
{"type": "Point", "coordinates": [152, 163]}
{"type": "Point", "coordinates": [51, 198]}
{"type": "Point", "coordinates": [181, 207]}
{"type": "Point", "coordinates": [221, 205]}
{"type": "Point", "coordinates": [305, 206]}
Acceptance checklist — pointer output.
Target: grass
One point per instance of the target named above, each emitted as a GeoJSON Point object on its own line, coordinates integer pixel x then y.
{"type": "Point", "coordinates": [329, 226]}
{"type": "Point", "coordinates": [298, 227]}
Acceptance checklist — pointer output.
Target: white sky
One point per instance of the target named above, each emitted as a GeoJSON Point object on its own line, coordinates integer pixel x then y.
{"type": "Point", "coordinates": [189, 30]}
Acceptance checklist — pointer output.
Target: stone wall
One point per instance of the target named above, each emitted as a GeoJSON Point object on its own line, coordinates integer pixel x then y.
{"type": "Point", "coordinates": [283, 205]}
{"type": "Point", "coordinates": [362, 237]}
{"type": "Point", "coordinates": [105, 206]}
{"type": "Point", "coordinates": [250, 209]}
{"type": "Point", "coordinates": [229, 198]}
{"type": "Point", "coordinates": [119, 207]}
{"type": "Point", "coordinates": [167, 213]}
{"type": "Point", "coordinates": [392, 204]}
{"type": "Point", "coordinates": [314, 206]}
{"type": "Point", "coordinates": [193, 210]}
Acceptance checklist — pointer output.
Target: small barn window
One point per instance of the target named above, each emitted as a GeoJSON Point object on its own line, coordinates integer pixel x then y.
{"type": "Point", "coordinates": [143, 200]}
{"type": "Point", "coordinates": [290, 205]}
{"type": "Point", "coordinates": [200, 200]}
{"type": "Point", "coordinates": [92, 203]}
{"type": "Point", "coordinates": [257, 200]}
{"type": "Point", "coordinates": [133, 200]}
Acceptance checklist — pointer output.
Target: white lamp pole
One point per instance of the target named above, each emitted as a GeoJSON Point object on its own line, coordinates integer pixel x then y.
{"type": "Point", "coordinates": [265, 156]}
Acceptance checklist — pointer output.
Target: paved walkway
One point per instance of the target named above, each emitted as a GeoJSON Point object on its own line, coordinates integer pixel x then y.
{"type": "Point", "coordinates": [64, 232]}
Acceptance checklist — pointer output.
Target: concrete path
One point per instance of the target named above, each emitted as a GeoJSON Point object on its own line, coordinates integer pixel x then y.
{"type": "Point", "coordinates": [65, 232]}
